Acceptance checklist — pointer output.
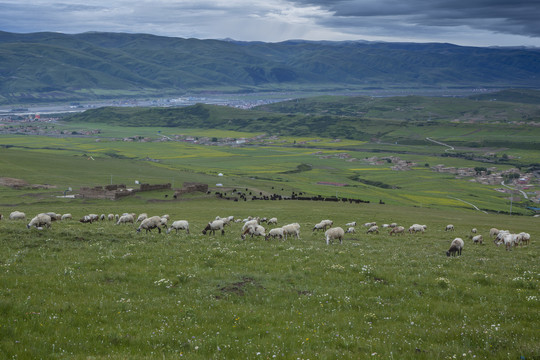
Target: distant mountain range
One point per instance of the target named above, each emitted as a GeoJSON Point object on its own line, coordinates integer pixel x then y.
{"type": "Point", "coordinates": [40, 67]}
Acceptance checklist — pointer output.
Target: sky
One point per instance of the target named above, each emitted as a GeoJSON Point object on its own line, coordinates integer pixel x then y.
{"type": "Point", "coordinates": [460, 22]}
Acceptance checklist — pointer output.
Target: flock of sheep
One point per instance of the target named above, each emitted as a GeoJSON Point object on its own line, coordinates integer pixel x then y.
{"type": "Point", "coordinates": [252, 226]}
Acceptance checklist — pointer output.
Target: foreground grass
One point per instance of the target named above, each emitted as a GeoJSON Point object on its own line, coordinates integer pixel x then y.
{"type": "Point", "coordinates": [101, 290]}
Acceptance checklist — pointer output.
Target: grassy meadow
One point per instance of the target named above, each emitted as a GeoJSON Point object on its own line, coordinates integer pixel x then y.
{"type": "Point", "coordinates": [102, 290]}
{"type": "Point", "coordinates": [95, 291]}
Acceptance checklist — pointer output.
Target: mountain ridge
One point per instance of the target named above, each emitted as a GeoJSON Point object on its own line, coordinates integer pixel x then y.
{"type": "Point", "coordinates": [46, 66]}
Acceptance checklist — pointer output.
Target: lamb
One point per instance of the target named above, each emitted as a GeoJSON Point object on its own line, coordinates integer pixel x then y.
{"type": "Point", "coordinates": [323, 225]}
{"type": "Point", "coordinates": [142, 216]}
{"type": "Point", "coordinates": [66, 217]}
{"type": "Point", "coordinates": [455, 247]}
{"type": "Point", "coordinates": [373, 229]}
{"type": "Point", "coordinates": [213, 226]}
{"type": "Point", "coordinates": [126, 218]}
{"type": "Point", "coordinates": [478, 239]}
{"type": "Point", "coordinates": [291, 229]}
{"type": "Point", "coordinates": [272, 221]}
{"type": "Point", "coordinates": [150, 223]}
{"type": "Point", "coordinates": [334, 233]}
{"type": "Point", "coordinates": [351, 224]}
{"type": "Point", "coordinates": [397, 230]}
{"type": "Point", "coordinates": [40, 220]}
{"type": "Point", "coordinates": [179, 225]}
{"type": "Point", "coordinates": [17, 215]}
{"type": "Point", "coordinates": [449, 227]}
{"type": "Point", "coordinates": [277, 232]}
{"type": "Point", "coordinates": [351, 230]}
{"type": "Point", "coordinates": [256, 230]}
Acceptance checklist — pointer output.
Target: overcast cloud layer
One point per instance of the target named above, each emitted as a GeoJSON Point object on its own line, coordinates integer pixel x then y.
{"type": "Point", "coordinates": [462, 22]}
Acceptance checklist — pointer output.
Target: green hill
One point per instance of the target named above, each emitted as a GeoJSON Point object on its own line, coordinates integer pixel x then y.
{"type": "Point", "coordinates": [406, 119]}
{"type": "Point", "coordinates": [55, 66]}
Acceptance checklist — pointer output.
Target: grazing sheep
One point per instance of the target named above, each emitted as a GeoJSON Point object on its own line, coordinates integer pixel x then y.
{"type": "Point", "coordinates": [474, 231]}
{"type": "Point", "coordinates": [291, 229]}
{"type": "Point", "coordinates": [508, 239]}
{"type": "Point", "coordinates": [273, 233]}
{"type": "Point", "coordinates": [86, 219]}
{"type": "Point", "coordinates": [17, 215]}
{"type": "Point", "coordinates": [397, 230]}
{"type": "Point", "coordinates": [334, 233]}
{"type": "Point", "coordinates": [351, 224]}
{"type": "Point", "coordinates": [249, 223]}
{"type": "Point", "coordinates": [373, 229]}
{"type": "Point", "coordinates": [351, 230]}
{"type": "Point", "coordinates": [255, 230]}
{"type": "Point", "coordinates": [385, 225]}
{"type": "Point", "coordinates": [102, 217]}
{"type": "Point", "coordinates": [478, 239]}
{"type": "Point", "coordinates": [127, 218]}
{"type": "Point", "coordinates": [40, 220]}
{"type": "Point", "coordinates": [213, 226]}
{"type": "Point", "coordinates": [272, 221]}
{"type": "Point", "coordinates": [323, 225]}
{"type": "Point", "coordinates": [449, 227]}
{"type": "Point", "coordinates": [455, 247]}
{"type": "Point", "coordinates": [493, 232]}
{"type": "Point", "coordinates": [393, 225]}
{"type": "Point", "coordinates": [66, 217]}
{"type": "Point", "coordinates": [141, 217]}
{"type": "Point", "coordinates": [370, 224]}
{"type": "Point", "coordinates": [417, 228]}
{"type": "Point", "coordinates": [179, 225]}
{"type": "Point", "coordinates": [150, 223]}
{"type": "Point", "coordinates": [524, 237]}
{"type": "Point", "coordinates": [54, 216]}
{"type": "Point", "coordinates": [116, 217]}
{"type": "Point", "coordinates": [110, 217]}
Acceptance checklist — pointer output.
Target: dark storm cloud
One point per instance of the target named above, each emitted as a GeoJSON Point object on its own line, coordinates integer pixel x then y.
{"type": "Point", "coordinates": [519, 17]}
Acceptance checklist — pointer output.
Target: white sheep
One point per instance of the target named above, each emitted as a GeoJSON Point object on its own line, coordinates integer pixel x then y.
{"type": "Point", "coordinates": [393, 225]}
{"type": "Point", "coordinates": [370, 224]}
{"type": "Point", "coordinates": [477, 239]}
{"type": "Point", "coordinates": [323, 225]}
{"type": "Point", "coordinates": [255, 230]}
{"type": "Point", "coordinates": [86, 219]}
{"type": "Point", "coordinates": [455, 247]}
{"type": "Point", "coordinates": [449, 227]}
{"type": "Point", "coordinates": [124, 219]}
{"type": "Point", "coordinates": [110, 217]}
{"type": "Point", "coordinates": [213, 226]}
{"type": "Point", "coordinates": [40, 220]}
{"type": "Point", "coordinates": [54, 216]}
{"type": "Point", "coordinates": [277, 232]}
{"type": "Point", "coordinates": [417, 228]}
{"type": "Point", "coordinates": [353, 223]}
{"type": "Point", "coordinates": [291, 229]}
{"type": "Point", "coordinates": [397, 230]}
{"type": "Point", "coordinates": [493, 232]}
{"type": "Point", "coordinates": [373, 229]}
{"type": "Point", "coordinates": [179, 225]}
{"type": "Point", "coordinates": [524, 237]}
{"type": "Point", "coordinates": [474, 231]}
{"type": "Point", "coordinates": [334, 233]}
{"type": "Point", "coordinates": [507, 239]}
{"type": "Point", "coordinates": [249, 223]}
{"type": "Point", "coordinates": [141, 217]}
{"type": "Point", "coordinates": [350, 230]}
{"type": "Point", "coordinates": [272, 221]}
{"type": "Point", "coordinates": [17, 215]}
{"type": "Point", "coordinates": [66, 217]}
{"type": "Point", "coordinates": [102, 217]}
{"type": "Point", "coordinates": [150, 223]}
